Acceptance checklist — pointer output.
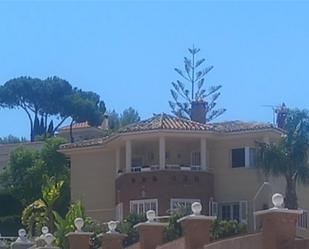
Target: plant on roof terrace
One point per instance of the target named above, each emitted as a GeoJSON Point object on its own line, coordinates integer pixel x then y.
{"type": "Point", "coordinates": [183, 98]}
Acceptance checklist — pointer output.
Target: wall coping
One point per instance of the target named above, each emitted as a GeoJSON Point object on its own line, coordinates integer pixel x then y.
{"type": "Point", "coordinates": [155, 223]}
{"type": "Point", "coordinates": [197, 217]}
{"type": "Point", "coordinates": [279, 210]}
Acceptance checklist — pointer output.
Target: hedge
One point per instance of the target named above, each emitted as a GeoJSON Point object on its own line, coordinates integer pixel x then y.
{"type": "Point", "coordinates": [9, 225]}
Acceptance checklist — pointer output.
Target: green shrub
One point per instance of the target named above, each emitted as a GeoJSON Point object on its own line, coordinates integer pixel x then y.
{"type": "Point", "coordinates": [173, 230]}
{"type": "Point", "coordinates": [9, 225]}
{"type": "Point", "coordinates": [126, 226]}
{"type": "Point", "coordinates": [221, 229]}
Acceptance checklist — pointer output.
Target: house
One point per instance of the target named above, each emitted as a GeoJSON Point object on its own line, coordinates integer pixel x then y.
{"type": "Point", "coordinates": [165, 162]}
{"type": "Point", "coordinates": [83, 131]}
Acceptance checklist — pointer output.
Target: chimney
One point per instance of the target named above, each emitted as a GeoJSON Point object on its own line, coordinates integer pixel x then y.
{"type": "Point", "coordinates": [198, 111]}
{"type": "Point", "coordinates": [104, 125]}
{"type": "Point", "coordinates": [282, 113]}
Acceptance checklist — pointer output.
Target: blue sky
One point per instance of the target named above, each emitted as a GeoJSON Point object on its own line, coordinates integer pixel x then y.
{"type": "Point", "coordinates": [126, 52]}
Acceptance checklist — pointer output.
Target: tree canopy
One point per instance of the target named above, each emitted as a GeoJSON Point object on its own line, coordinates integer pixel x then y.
{"type": "Point", "coordinates": [24, 176]}
{"type": "Point", "coordinates": [128, 116]}
{"type": "Point", "coordinates": [10, 139]}
{"type": "Point", "coordinates": [183, 97]}
{"type": "Point", "coordinates": [289, 157]}
{"type": "Point", "coordinates": [48, 100]}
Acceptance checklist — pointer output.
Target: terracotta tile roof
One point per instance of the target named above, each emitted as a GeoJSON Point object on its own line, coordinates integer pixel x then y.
{"type": "Point", "coordinates": [168, 122]}
{"type": "Point", "coordinates": [164, 122]}
{"type": "Point", "coordinates": [76, 126]}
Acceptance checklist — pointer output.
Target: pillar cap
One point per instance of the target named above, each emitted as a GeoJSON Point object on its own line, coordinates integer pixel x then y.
{"type": "Point", "coordinates": [197, 217]}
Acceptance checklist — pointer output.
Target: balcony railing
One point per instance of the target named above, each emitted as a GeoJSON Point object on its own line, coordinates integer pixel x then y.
{"type": "Point", "coordinates": [167, 167]}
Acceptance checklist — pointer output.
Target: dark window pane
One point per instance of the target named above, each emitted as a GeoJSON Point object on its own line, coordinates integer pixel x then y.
{"type": "Point", "coordinates": [226, 212]}
{"type": "Point", "coordinates": [236, 212]}
{"type": "Point", "coordinates": [238, 157]}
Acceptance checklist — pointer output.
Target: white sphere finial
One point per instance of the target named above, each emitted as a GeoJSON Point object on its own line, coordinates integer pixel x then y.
{"type": "Point", "coordinates": [79, 223]}
{"type": "Point", "coordinates": [112, 225]}
{"type": "Point", "coordinates": [196, 208]}
{"type": "Point", "coordinates": [44, 230]}
{"type": "Point", "coordinates": [150, 215]}
{"type": "Point", "coordinates": [49, 238]}
{"type": "Point", "coordinates": [22, 233]}
{"type": "Point", "coordinates": [277, 200]}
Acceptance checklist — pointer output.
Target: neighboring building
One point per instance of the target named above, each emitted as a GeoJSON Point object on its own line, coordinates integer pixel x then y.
{"type": "Point", "coordinates": [83, 131]}
{"type": "Point", "coordinates": [6, 149]}
{"type": "Point", "coordinates": [166, 162]}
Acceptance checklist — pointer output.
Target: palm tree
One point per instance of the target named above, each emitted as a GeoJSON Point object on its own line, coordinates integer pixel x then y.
{"type": "Point", "coordinates": [289, 157]}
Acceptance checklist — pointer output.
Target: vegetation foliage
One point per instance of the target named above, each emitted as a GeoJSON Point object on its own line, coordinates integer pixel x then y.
{"type": "Point", "coordinates": [24, 177]}
{"type": "Point", "coordinates": [127, 227]}
{"type": "Point", "coordinates": [289, 157]}
{"type": "Point", "coordinates": [194, 75]}
{"type": "Point", "coordinates": [10, 139]}
{"type": "Point", "coordinates": [45, 101]}
{"type": "Point", "coordinates": [128, 116]}
{"type": "Point", "coordinates": [221, 229]}
{"type": "Point", "coordinates": [41, 212]}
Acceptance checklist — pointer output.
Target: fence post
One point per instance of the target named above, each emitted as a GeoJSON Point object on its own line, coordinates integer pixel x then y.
{"type": "Point", "coordinates": [196, 227]}
{"type": "Point", "coordinates": [79, 239]}
{"type": "Point", "coordinates": [278, 225]}
{"type": "Point", "coordinates": [151, 232]}
{"type": "Point", "coordinates": [112, 239]}
{"type": "Point", "coordinates": [22, 242]}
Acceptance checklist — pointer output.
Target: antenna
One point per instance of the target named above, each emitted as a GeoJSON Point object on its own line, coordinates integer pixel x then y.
{"type": "Point", "coordinates": [274, 109]}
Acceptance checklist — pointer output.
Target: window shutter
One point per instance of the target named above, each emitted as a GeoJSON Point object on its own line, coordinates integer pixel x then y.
{"type": "Point", "coordinates": [243, 212]}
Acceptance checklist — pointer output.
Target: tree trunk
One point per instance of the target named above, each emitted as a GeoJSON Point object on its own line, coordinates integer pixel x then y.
{"type": "Point", "coordinates": [290, 194]}
{"type": "Point", "coordinates": [71, 131]}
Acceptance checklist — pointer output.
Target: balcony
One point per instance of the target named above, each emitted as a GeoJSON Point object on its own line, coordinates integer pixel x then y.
{"type": "Point", "coordinates": [163, 185]}
{"type": "Point", "coordinates": [162, 153]}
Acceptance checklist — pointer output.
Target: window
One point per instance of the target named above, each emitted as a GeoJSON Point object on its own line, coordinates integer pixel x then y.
{"type": "Point", "coordinates": [119, 211]}
{"type": "Point", "coordinates": [213, 208]}
{"type": "Point", "coordinates": [185, 204]}
{"type": "Point", "coordinates": [137, 163]}
{"type": "Point", "coordinates": [252, 158]}
{"type": "Point", "coordinates": [142, 206]}
{"type": "Point", "coordinates": [196, 158]}
{"type": "Point", "coordinates": [244, 157]}
{"type": "Point", "coordinates": [238, 158]}
{"type": "Point", "coordinates": [234, 211]}
{"type": "Point", "coordinates": [303, 220]}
